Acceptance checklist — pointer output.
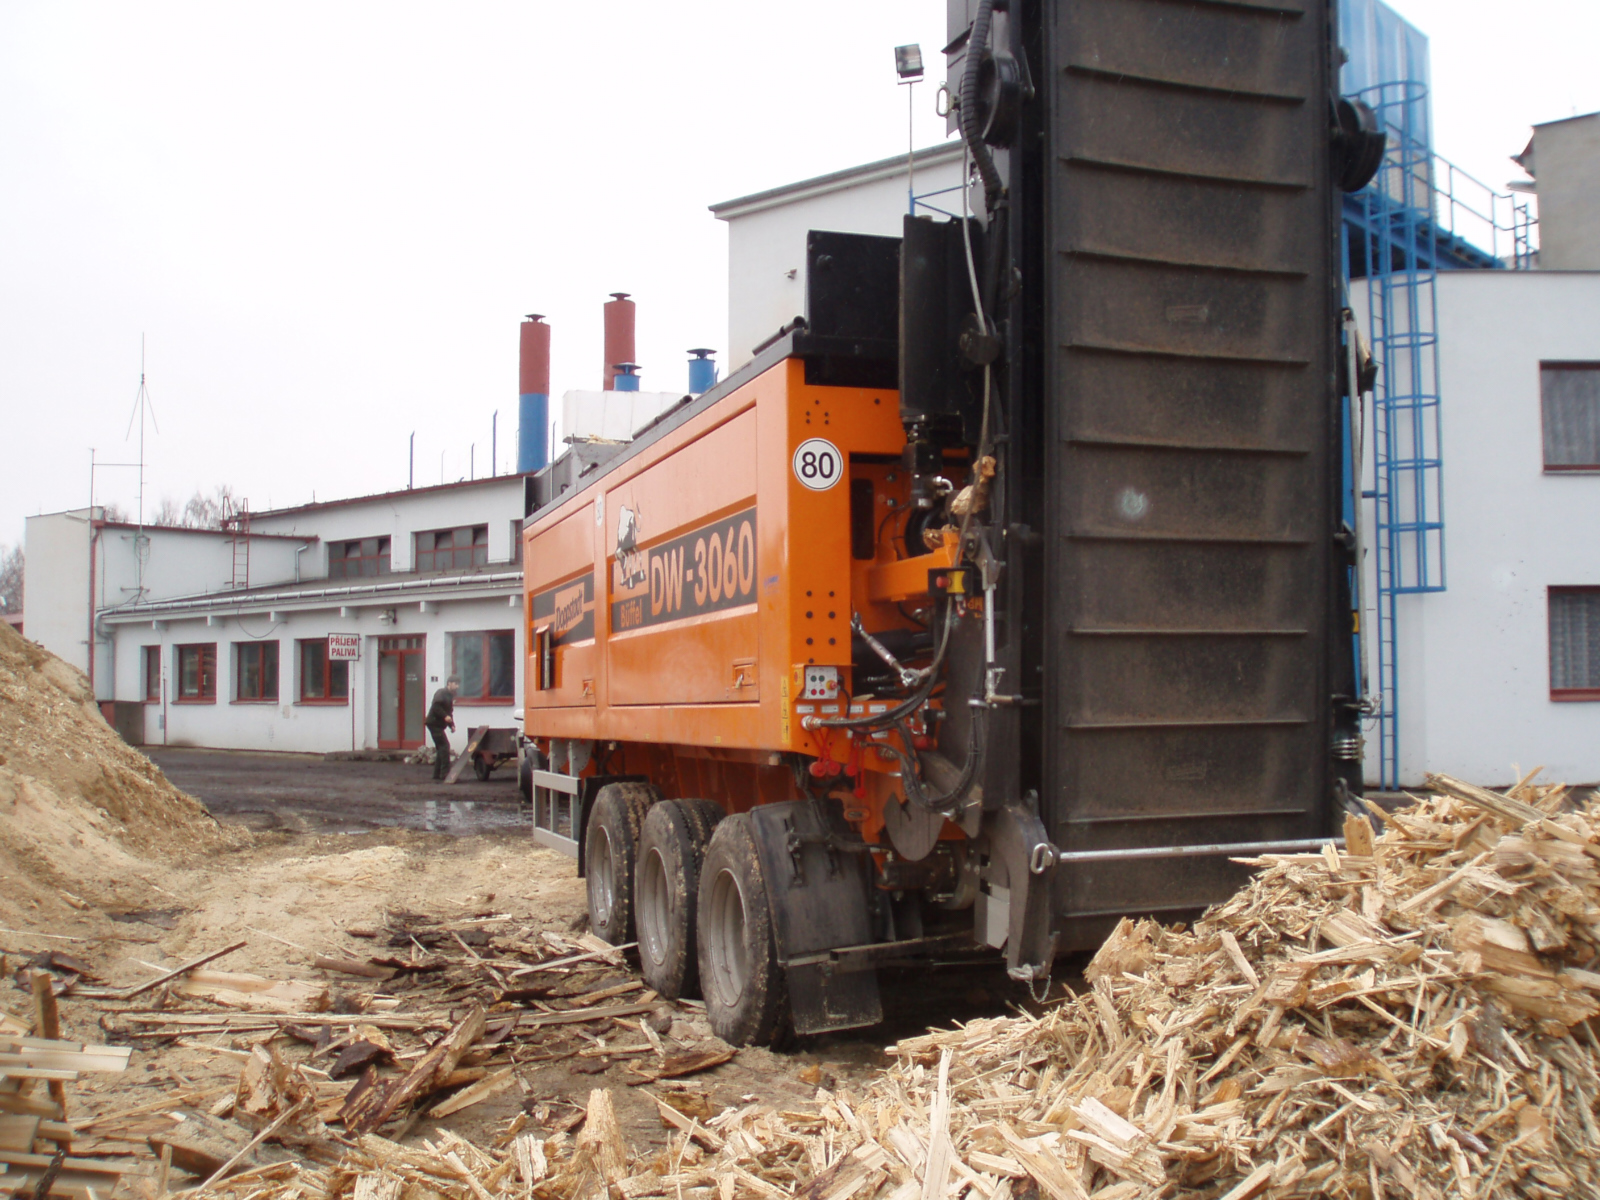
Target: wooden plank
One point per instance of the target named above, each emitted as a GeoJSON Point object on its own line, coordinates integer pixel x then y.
{"type": "Point", "coordinates": [98, 1165]}
{"type": "Point", "coordinates": [586, 1014]}
{"type": "Point", "coordinates": [48, 1025]}
{"type": "Point", "coordinates": [31, 1106]}
{"type": "Point", "coordinates": [17, 1133]}
{"type": "Point", "coordinates": [64, 1060]}
{"type": "Point", "coordinates": [482, 1090]}
{"type": "Point", "coordinates": [464, 759]}
{"type": "Point", "coordinates": [202, 960]}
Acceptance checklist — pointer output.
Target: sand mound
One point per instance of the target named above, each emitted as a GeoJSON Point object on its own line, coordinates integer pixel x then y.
{"type": "Point", "coordinates": [81, 811]}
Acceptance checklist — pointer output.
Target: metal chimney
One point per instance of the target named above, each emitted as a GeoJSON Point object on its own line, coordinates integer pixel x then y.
{"type": "Point", "coordinates": [619, 337]}
{"type": "Point", "coordinates": [626, 378]}
{"type": "Point", "coordinates": [702, 372]}
{"type": "Point", "coordinates": [533, 401]}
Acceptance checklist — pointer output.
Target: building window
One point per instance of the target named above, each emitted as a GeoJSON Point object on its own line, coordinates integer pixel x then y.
{"type": "Point", "coordinates": [152, 672]}
{"type": "Point", "coordinates": [255, 671]}
{"type": "Point", "coordinates": [358, 560]}
{"type": "Point", "coordinates": [322, 681]}
{"type": "Point", "coordinates": [1570, 399]}
{"type": "Point", "coordinates": [1575, 643]}
{"type": "Point", "coordinates": [453, 549]}
{"type": "Point", "coordinates": [197, 672]}
{"type": "Point", "coordinates": [486, 663]}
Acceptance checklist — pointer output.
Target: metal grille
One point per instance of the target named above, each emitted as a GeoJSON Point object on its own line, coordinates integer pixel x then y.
{"type": "Point", "coordinates": [1574, 639]}
{"type": "Point", "coordinates": [1571, 397]}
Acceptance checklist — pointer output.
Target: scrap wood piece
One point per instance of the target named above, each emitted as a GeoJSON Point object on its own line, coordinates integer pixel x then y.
{"type": "Point", "coordinates": [671, 1114]}
{"type": "Point", "coordinates": [283, 1119]}
{"type": "Point", "coordinates": [1515, 811]}
{"type": "Point", "coordinates": [936, 1172]}
{"type": "Point", "coordinates": [62, 1055]}
{"type": "Point", "coordinates": [600, 1140]}
{"type": "Point", "coordinates": [688, 1062]}
{"type": "Point", "coordinates": [200, 1143]}
{"type": "Point", "coordinates": [369, 1105]}
{"type": "Point", "coordinates": [488, 1086]}
{"type": "Point", "coordinates": [357, 1055]}
{"type": "Point", "coordinates": [168, 977]}
{"type": "Point", "coordinates": [238, 990]}
{"type": "Point", "coordinates": [48, 1025]}
{"type": "Point", "coordinates": [349, 966]}
{"type": "Point", "coordinates": [580, 1015]}
{"type": "Point", "coordinates": [572, 960]}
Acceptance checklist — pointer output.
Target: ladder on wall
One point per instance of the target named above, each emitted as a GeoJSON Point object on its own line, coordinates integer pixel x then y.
{"type": "Point", "coordinates": [1401, 264]}
{"type": "Point", "coordinates": [238, 520]}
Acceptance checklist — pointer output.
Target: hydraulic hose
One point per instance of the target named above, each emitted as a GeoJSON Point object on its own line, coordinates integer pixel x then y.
{"type": "Point", "coordinates": [971, 131]}
{"type": "Point", "coordinates": [907, 706]}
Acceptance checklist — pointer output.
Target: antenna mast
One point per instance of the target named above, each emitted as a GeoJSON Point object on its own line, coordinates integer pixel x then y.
{"type": "Point", "coordinates": [142, 406]}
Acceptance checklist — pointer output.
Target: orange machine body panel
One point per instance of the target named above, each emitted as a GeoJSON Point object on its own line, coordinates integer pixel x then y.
{"type": "Point", "coordinates": [684, 592]}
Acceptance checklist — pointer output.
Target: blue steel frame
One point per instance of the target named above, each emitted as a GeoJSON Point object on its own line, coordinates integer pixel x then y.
{"type": "Point", "coordinates": [1396, 236]}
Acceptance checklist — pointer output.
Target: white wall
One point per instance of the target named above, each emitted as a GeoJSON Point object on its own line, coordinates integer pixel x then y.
{"type": "Point", "coordinates": [289, 725]}
{"type": "Point", "coordinates": [767, 239]}
{"type": "Point", "coordinates": [1474, 659]}
{"type": "Point", "coordinates": [398, 516]}
{"type": "Point", "coordinates": [1567, 158]}
{"type": "Point", "coordinates": [55, 597]}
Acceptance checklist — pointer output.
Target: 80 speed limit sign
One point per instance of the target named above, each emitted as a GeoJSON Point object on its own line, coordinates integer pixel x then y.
{"type": "Point", "coordinates": [818, 464]}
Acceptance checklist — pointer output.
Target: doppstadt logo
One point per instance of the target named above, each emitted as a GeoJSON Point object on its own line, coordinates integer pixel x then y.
{"type": "Point", "coordinates": [710, 568]}
{"type": "Point", "coordinates": [569, 608]}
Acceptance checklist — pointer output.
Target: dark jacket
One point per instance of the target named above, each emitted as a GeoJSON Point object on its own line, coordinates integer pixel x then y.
{"type": "Point", "coordinates": [442, 710]}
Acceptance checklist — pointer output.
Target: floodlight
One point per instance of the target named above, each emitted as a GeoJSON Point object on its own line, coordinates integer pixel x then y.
{"type": "Point", "coordinates": [908, 61]}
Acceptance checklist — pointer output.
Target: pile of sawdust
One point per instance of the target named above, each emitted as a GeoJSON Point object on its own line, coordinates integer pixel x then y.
{"type": "Point", "coordinates": [82, 814]}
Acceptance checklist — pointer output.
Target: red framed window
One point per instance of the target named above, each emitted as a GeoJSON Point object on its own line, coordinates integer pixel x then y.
{"type": "Point", "coordinates": [255, 671]}
{"type": "Point", "coordinates": [363, 559]}
{"type": "Point", "coordinates": [322, 681]}
{"type": "Point", "coordinates": [152, 672]}
{"type": "Point", "coordinates": [1569, 396]}
{"type": "Point", "coordinates": [486, 663]}
{"type": "Point", "coordinates": [1575, 643]}
{"type": "Point", "coordinates": [453, 549]}
{"type": "Point", "coordinates": [197, 673]}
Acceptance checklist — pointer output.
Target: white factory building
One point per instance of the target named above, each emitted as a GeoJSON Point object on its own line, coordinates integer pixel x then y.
{"type": "Point", "coordinates": [316, 628]}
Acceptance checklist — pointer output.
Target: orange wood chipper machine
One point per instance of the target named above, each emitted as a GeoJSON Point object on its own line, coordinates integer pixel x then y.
{"type": "Point", "coordinates": [1011, 589]}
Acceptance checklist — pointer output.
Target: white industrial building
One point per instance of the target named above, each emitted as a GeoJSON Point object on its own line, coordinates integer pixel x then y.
{"type": "Point", "coordinates": [221, 638]}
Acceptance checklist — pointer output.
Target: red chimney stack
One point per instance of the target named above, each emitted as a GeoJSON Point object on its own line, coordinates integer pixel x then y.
{"type": "Point", "coordinates": [619, 336]}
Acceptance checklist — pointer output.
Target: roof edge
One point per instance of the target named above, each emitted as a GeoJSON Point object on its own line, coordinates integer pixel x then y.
{"type": "Point", "coordinates": [836, 181]}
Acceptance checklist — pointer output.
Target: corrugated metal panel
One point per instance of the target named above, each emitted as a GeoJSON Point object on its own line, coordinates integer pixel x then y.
{"type": "Point", "coordinates": [1190, 414]}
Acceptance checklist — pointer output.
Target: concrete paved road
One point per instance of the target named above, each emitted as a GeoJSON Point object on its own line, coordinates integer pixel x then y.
{"type": "Point", "coordinates": [302, 793]}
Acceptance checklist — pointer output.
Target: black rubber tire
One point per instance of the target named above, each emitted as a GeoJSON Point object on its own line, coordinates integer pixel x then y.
{"type": "Point", "coordinates": [610, 847]}
{"type": "Point", "coordinates": [747, 1000]}
{"type": "Point", "coordinates": [525, 767]}
{"type": "Point", "coordinates": [481, 768]}
{"type": "Point", "coordinates": [666, 893]}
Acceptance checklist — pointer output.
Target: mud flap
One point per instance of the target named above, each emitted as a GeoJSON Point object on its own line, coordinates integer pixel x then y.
{"type": "Point", "coordinates": [819, 896]}
{"type": "Point", "coordinates": [1016, 901]}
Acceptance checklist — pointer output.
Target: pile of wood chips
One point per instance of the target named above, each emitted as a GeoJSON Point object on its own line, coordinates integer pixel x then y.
{"type": "Point", "coordinates": [1409, 1017]}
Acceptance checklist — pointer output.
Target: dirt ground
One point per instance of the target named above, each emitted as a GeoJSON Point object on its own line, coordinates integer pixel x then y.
{"type": "Point", "coordinates": [342, 845]}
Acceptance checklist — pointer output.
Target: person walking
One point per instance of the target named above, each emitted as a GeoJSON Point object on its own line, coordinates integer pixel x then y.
{"type": "Point", "coordinates": [442, 716]}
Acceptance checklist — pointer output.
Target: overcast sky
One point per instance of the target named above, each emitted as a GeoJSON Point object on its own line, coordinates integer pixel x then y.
{"type": "Point", "coordinates": [329, 218]}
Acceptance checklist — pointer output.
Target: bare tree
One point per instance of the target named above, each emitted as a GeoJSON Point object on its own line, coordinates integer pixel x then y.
{"type": "Point", "coordinates": [11, 565]}
{"type": "Point", "coordinates": [207, 512]}
{"type": "Point", "coordinates": [112, 511]}
{"type": "Point", "coordinates": [168, 512]}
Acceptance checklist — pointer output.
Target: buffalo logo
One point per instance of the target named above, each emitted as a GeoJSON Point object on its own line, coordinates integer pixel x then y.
{"type": "Point", "coordinates": [632, 564]}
